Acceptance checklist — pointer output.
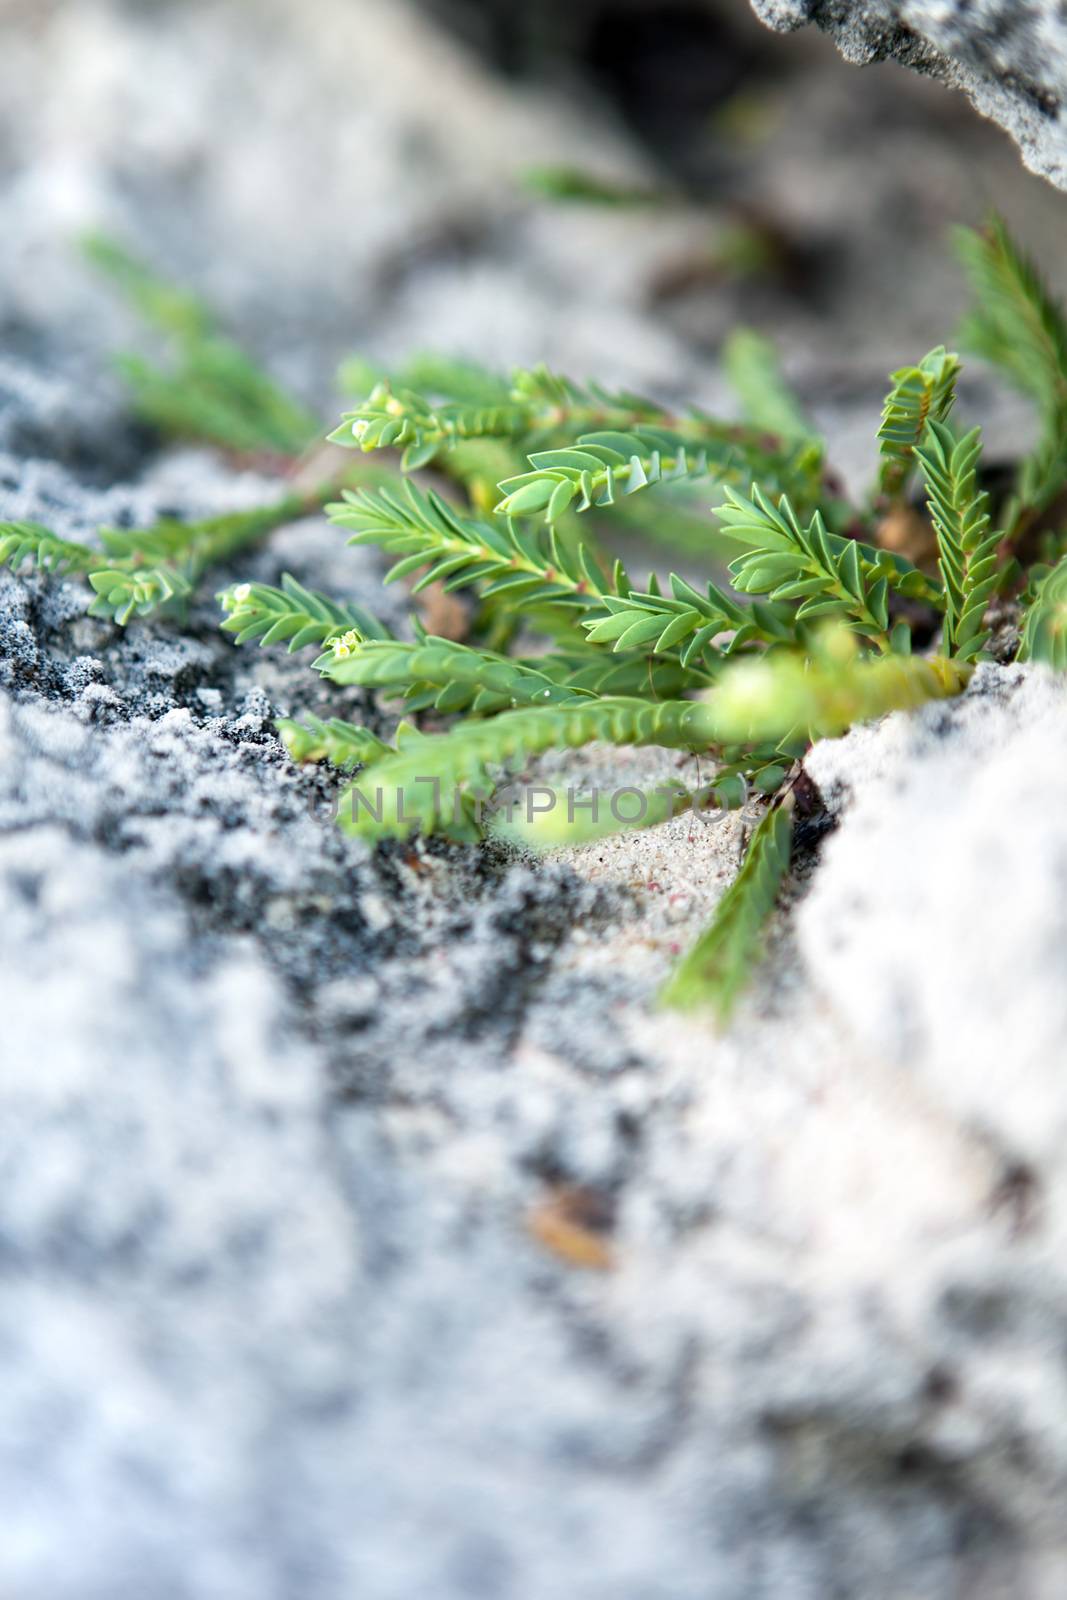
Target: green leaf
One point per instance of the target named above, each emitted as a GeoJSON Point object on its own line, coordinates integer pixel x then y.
{"type": "Point", "coordinates": [921, 394]}
{"type": "Point", "coordinates": [342, 744]}
{"type": "Point", "coordinates": [685, 621]}
{"type": "Point", "coordinates": [839, 576]}
{"type": "Point", "coordinates": [402, 419]}
{"type": "Point", "coordinates": [531, 568]}
{"type": "Point", "coordinates": [460, 678]}
{"type": "Point", "coordinates": [603, 465]}
{"type": "Point", "coordinates": [754, 371]}
{"type": "Point", "coordinates": [822, 692]}
{"type": "Point", "coordinates": [967, 545]}
{"type": "Point", "coordinates": [573, 426]}
{"type": "Point", "coordinates": [123, 593]}
{"type": "Point", "coordinates": [29, 542]}
{"type": "Point", "coordinates": [1045, 624]}
{"type": "Point", "coordinates": [576, 185]}
{"type": "Point", "coordinates": [138, 570]}
{"type": "Point", "coordinates": [1018, 326]}
{"type": "Point", "coordinates": [720, 964]}
{"type": "Point", "coordinates": [211, 390]}
{"type": "Point", "coordinates": [292, 615]}
{"type": "Point", "coordinates": [427, 783]}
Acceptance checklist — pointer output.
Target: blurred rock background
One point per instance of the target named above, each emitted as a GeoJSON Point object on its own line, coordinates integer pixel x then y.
{"type": "Point", "coordinates": [347, 175]}
{"type": "Point", "coordinates": [362, 1230]}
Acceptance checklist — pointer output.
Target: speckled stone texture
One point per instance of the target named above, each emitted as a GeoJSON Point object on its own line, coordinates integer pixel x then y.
{"type": "Point", "coordinates": [365, 1230]}
{"type": "Point", "coordinates": [1008, 56]}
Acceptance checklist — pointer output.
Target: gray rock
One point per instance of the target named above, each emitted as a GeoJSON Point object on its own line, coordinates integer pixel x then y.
{"type": "Point", "coordinates": [953, 964]}
{"type": "Point", "coordinates": [281, 1116]}
{"type": "Point", "coordinates": [1010, 59]}
{"type": "Point", "coordinates": [292, 1133]}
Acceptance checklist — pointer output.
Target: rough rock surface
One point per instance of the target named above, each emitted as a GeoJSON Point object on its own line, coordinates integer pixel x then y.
{"type": "Point", "coordinates": [288, 1125]}
{"type": "Point", "coordinates": [364, 1230]}
{"type": "Point", "coordinates": [934, 941]}
{"type": "Point", "coordinates": [1009, 58]}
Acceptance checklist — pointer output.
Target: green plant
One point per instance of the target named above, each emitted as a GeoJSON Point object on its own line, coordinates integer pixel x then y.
{"type": "Point", "coordinates": [1045, 626]}
{"type": "Point", "coordinates": [814, 629]}
{"type": "Point", "coordinates": [207, 388]}
{"type": "Point", "coordinates": [966, 540]}
{"type": "Point", "coordinates": [813, 624]}
{"type": "Point", "coordinates": [1018, 326]}
{"type": "Point", "coordinates": [920, 395]}
{"type": "Point", "coordinates": [210, 392]}
{"type": "Point", "coordinates": [716, 969]}
{"type": "Point", "coordinates": [137, 571]}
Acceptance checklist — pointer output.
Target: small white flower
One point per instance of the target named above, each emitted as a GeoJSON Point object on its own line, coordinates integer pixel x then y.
{"type": "Point", "coordinates": [344, 645]}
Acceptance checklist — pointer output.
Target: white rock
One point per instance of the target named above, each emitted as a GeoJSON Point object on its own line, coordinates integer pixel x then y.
{"type": "Point", "coordinates": [937, 923]}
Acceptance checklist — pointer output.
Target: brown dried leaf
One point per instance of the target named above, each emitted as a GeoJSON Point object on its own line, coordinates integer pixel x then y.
{"type": "Point", "coordinates": [573, 1222]}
